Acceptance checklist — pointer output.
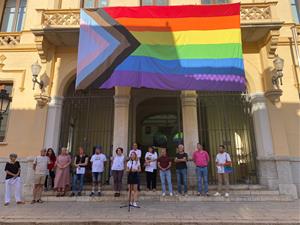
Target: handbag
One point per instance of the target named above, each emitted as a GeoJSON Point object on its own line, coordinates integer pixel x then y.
{"type": "Point", "coordinates": [228, 167]}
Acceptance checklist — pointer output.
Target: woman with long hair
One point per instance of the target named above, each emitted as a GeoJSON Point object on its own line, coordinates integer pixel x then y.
{"type": "Point", "coordinates": [62, 178]}
{"type": "Point", "coordinates": [150, 168]}
{"type": "Point", "coordinates": [51, 165]}
{"type": "Point", "coordinates": [133, 168]}
{"type": "Point", "coordinates": [117, 168]}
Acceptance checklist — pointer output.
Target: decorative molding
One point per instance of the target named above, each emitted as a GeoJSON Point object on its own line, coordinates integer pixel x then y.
{"type": "Point", "coordinates": [42, 46]}
{"type": "Point", "coordinates": [10, 39]}
{"type": "Point", "coordinates": [23, 72]}
{"type": "Point", "coordinates": [62, 17]}
{"type": "Point", "coordinates": [256, 12]}
{"type": "Point", "coordinates": [272, 41]}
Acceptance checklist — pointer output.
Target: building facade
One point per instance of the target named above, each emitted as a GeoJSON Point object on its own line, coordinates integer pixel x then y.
{"type": "Point", "coordinates": [260, 128]}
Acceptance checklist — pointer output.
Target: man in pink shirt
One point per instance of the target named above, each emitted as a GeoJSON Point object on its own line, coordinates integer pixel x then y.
{"type": "Point", "coordinates": [201, 160]}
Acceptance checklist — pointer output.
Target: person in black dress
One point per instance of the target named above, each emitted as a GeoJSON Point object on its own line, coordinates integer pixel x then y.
{"type": "Point", "coordinates": [133, 168]}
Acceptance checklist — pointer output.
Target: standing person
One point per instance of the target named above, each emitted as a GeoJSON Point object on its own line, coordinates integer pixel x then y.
{"type": "Point", "coordinates": [97, 160]}
{"type": "Point", "coordinates": [12, 179]}
{"type": "Point", "coordinates": [138, 152]}
{"type": "Point", "coordinates": [62, 178]}
{"type": "Point", "coordinates": [117, 168]}
{"type": "Point", "coordinates": [164, 164]}
{"type": "Point", "coordinates": [80, 164]}
{"type": "Point", "coordinates": [40, 167]}
{"type": "Point", "coordinates": [181, 169]}
{"type": "Point", "coordinates": [201, 160]}
{"type": "Point", "coordinates": [151, 168]}
{"type": "Point", "coordinates": [133, 168]}
{"type": "Point", "coordinates": [51, 173]}
{"type": "Point", "coordinates": [222, 159]}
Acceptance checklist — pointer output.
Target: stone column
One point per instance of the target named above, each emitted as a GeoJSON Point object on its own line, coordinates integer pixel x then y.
{"type": "Point", "coordinates": [190, 129]}
{"type": "Point", "coordinates": [52, 132]}
{"type": "Point", "coordinates": [264, 143]}
{"type": "Point", "coordinates": [121, 118]}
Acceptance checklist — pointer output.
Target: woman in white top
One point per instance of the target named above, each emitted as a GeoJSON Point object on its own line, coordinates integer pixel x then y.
{"type": "Point", "coordinates": [151, 168]}
{"type": "Point", "coordinates": [117, 168]}
{"type": "Point", "coordinates": [133, 168]}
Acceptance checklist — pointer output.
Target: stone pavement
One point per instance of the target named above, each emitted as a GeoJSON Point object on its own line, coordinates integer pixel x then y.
{"type": "Point", "coordinates": [152, 212]}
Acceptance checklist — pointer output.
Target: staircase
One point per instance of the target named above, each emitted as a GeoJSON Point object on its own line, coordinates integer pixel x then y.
{"type": "Point", "coordinates": [238, 193]}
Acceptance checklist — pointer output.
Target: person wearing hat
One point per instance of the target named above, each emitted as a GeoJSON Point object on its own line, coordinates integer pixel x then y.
{"type": "Point", "coordinates": [13, 180]}
{"type": "Point", "coordinates": [97, 160]}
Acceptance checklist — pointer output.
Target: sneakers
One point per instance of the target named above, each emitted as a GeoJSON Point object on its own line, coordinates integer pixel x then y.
{"type": "Point", "coordinates": [79, 193]}
{"type": "Point", "coordinates": [99, 193]}
{"type": "Point", "coordinates": [163, 194]}
{"type": "Point", "coordinates": [72, 194]}
{"type": "Point", "coordinates": [171, 194]}
{"type": "Point", "coordinates": [226, 195]}
{"type": "Point", "coordinates": [134, 204]}
{"type": "Point", "coordinates": [92, 194]}
{"type": "Point", "coordinates": [217, 194]}
{"type": "Point", "coordinates": [6, 204]}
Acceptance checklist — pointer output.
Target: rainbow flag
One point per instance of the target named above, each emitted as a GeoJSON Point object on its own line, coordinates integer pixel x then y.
{"type": "Point", "coordinates": [175, 47]}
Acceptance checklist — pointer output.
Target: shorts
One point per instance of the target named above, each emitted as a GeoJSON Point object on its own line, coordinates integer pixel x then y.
{"type": "Point", "coordinates": [39, 179]}
{"type": "Point", "coordinates": [97, 176]}
{"type": "Point", "coordinates": [133, 178]}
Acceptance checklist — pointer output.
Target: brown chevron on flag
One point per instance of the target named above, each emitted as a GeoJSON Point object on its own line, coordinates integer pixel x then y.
{"type": "Point", "coordinates": [101, 37]}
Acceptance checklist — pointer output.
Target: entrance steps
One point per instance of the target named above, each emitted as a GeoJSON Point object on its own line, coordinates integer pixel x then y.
{"type": "Point", "coordinates": [237, 193]}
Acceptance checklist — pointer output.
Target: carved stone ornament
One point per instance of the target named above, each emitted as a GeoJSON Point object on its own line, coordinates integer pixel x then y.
{"type": "Point", "coordinates": [42, 99]}
{"type": "Point", "coordinates": [273, 95]}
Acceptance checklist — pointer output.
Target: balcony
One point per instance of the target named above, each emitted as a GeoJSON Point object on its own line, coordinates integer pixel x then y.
{"type": "Point", "coordinates": [60, 27]}
{"type": "Point", "coordinates": [9, 39]}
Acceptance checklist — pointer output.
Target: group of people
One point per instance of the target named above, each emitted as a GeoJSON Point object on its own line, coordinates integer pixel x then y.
{"type": "Point", "coordinates": [54, 172]}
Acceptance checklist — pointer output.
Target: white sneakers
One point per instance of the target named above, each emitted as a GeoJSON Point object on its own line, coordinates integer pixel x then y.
{"type": "Point", "coordinates": [134, 204]}
{"type": "Point", "coordinates": [164, 194]}
{"type": "Point", "coordinates": [218, 194]}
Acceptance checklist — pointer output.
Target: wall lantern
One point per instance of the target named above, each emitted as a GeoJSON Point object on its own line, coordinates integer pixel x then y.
{"type": "Point", "coordinates": [42, 98]}
{"type": "Point", "coordinates": [278, 64]}
{"type": "Point", "coordinates": [36, 69]}
{"type": "Point", "coordinates": [275, 92]}
{"type": "Point", "coordinates": [5, 100]}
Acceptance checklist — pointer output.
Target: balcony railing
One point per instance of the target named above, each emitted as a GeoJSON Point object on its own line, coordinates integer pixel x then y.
{"type": "Point", "coordinates": [9, 39]}
{"type": "Point", "coordinates": [252, 12]}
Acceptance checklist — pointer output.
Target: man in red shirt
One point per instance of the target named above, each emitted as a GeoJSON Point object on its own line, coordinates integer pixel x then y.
{"type": "Point", "coordinates": [201, 160]}
{"type": "Point", "coordinates": [164, 165]}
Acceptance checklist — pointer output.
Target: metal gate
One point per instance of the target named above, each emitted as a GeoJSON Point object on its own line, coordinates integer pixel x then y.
{"type": "Point", "coordinates": [225, 118]}
{"type": "Point", "coordinates": [87, 121]}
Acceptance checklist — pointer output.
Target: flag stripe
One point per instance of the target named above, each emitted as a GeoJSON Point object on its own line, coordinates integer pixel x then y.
{"type": "Point", "coordinates": [192, 37]}
{"type": "Point", "coordinates": [178, 24]}
{"type": "Point", "coordinates": [182, 66]}
{"type": "Point", "coordinates": [180, 11]}
{"type": "Point", "coordinates": [210, 51]}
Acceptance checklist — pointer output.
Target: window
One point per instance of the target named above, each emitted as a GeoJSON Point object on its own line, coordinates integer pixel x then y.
{"type": "Point", "coordinates": [154, 2]}
{"type": "Point", "coordinates": [296, 10]}
{"type": "Point", "coordinates": [94, 3]}
{"type": "Point", "coordinates": [13, 16]}
{"type": "Point", "coordinates": [211, 2]}
{"type": "Point", "coordinates": [3, 122]}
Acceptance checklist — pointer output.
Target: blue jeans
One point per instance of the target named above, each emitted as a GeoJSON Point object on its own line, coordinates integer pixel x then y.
{"type": "Point", "coordinates": [166, 175]}
{"type": "Point", "coordinates": [202, 173]}
{"type": "Point", "coordinates": [181, 178]}
{"type": "Point", "coordinates": [77, 177]}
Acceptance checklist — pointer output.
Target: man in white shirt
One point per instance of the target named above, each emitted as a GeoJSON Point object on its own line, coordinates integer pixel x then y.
{"type": "Point", "coordinates": [222, 159]}
{"type": "Point", "coordinates": [40, 167]}
{"type": "Point", "coordinates": [97, 160]}
{"type": "Point", "coordinates": [138, 152]}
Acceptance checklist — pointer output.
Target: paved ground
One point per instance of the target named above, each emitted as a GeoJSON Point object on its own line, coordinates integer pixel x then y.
{"type": "Point", "coordinates": [152, 212]}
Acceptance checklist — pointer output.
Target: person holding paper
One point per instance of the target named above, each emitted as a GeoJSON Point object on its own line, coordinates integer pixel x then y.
{"type": "Point", "coordinates": [80, 163]}
{"type": "Point", "coordinates": [151, 168]}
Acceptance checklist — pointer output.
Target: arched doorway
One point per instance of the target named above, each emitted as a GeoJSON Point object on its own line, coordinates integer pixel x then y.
{"type": "Point", "coordinates": [225, 118]}
{"type": "Point", "coordinates": [156, 119]}
{"type": "Point", "coordinates": [87, 120]}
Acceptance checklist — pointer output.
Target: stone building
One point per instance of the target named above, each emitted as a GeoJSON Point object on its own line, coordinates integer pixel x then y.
{"type": "Point", "coordinates": [260, 128]}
